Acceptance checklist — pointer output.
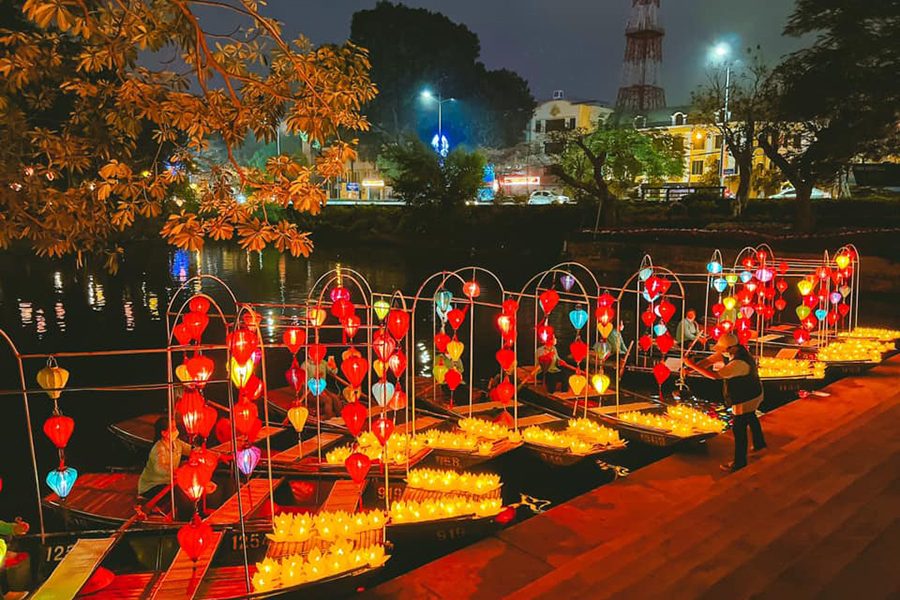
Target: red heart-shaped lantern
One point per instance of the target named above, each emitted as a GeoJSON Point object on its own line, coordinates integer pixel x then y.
{"type": "Point", "coordinates": [358, 465]}
{"type": "Point", "coordinates": [59, 429]}
{"type": "Point", "coordinates": [505, 357]}
{"type": "Point", "coordinates": [398, 323]}
{"type": "Point", "coordinates": [294, 338]}
{"type": "Point", "coordinates": [548, 300]}
{"type": "Point", "coordinates": [665, 342]}
{"type": "Point", "coordinates": [182, 333]}
{"type": "Point", "coordinates": [195, 537]}
{"type": "Point", "coordinates": [355, 369]}
{"type": "Point", "coordinates": [579, 350]}
{"type": "Point", "coordinates": [196, 323]}
{"type": "Point", "coordinates": [666, 310]}
{"type": "Point", "coordinates": [661, 372]}
{"type": "Point", "coordinates": [645, 342]}
{"type": "Point", "coordinates": [316, 352]}
{"type": "Point", "coordinates": [397, 363]}
{"type": "Point", "coordinates": [354, 415]}
{"type": "Point", "coordinates": [455, 317]}
{"type": "Point", "coordinates": [441, 340]}
{"type": "Point", "coordinates": [296, 377]}
{"type": "Point", "coordinates": [383, 345]}
{"type": "Point", "coordinates": [504, 391]}
{"type": "Point", "coordinates": [242, 343]}
{"type": "Point", "coordinates": [382, 429]}
{"type": "Point", "coordinates": [199, 304]}
{"type": "Point", "coordinates": [453, 378]}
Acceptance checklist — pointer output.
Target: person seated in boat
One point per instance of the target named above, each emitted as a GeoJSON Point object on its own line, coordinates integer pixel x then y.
{"type": "Point", "coordinates": [688, 329]}
{"type": "Point", "coordinates": [549, 362]}
{"type": "Point", "coordinates": [742, 390]}
{"type": "Point", "coordinates": [330, 402]}
{"type": "Point", "coordinates": [156, 474]}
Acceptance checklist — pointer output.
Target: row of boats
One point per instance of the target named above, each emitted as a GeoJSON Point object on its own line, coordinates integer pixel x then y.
{"type": "Point", "coordinates": [302, 520]}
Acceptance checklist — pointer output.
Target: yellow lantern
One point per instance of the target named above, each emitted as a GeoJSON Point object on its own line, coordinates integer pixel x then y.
{"type": "Point", "coordinates": [600, 381]}
{"type": "Point", "coordinates": [604, 330]}
{"type": "Point", "coordinates": [728, 302]}
{"type": "Point", "coordinates": [842, 260]}
{"type": "Point", "coordinates": [440, 371]}
{"type": "Point", "coordinates": [297, 415]}
{"type": "Point", "coordinates": [577, 383]}
{"type": "Point", "coordinates": [316, 316]}
{"type": "Point", "coordinates": [240, 373]}
{"type": "Point", "coordinates": [379, 368]}
{"type": "Point", "coordinates": [53, 378]}
{"type": "Point", "coordinates": [805, 286]}
{"type": "Point", "coordinates": [455, 349]}
{"type": "Point", "coordinates": [382, 307]}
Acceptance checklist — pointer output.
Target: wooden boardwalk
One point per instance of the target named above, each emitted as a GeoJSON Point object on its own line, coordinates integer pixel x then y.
{"type": "Point", "coordinates": [815, 515]}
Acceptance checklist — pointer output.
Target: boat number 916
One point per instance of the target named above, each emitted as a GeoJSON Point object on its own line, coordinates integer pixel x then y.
{"type": "Point", "coordinates": [454, 533]}
{"type": "Point", "coordinates": [57, 552]}
{"type": "Point", "coordinates": [254, 540]}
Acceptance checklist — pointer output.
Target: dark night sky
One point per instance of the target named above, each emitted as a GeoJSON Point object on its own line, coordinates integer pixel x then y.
{"type": "Point", "coordinates": [575, 45]}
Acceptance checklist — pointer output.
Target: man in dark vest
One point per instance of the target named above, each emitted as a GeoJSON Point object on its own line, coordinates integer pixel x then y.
{"type": "Point", "coordinates": [742, 390]}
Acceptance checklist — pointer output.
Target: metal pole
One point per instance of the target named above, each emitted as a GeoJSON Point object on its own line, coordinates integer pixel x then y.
{"type": "Point", "coordinates": [724, 121]}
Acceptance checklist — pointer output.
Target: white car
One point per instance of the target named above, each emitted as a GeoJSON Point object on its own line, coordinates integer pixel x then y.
{"type": "Point", "coordinates": [790, 192]}
{"type": "Point", "coordinates": [547, 197]}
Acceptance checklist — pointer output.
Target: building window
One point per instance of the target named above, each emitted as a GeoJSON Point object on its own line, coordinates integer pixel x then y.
{"type": "Point", "coordinates": [537, 125]}
{"type": "Point", "coordinates": [718, 143]}
{"type": "Point", "coordinates": [697, 167]}
{"type": "Point", "coordinates": [572, 123]}
{"type": "Point", "coordinates": [640, 121]}
{"type": "Point", "coordinates": [555, 125]}
{"type": "Point", "coordinates": [678, 119]}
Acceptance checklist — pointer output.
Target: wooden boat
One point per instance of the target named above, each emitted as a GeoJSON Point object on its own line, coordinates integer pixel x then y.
{"type": "Point", "coordinates": [110, 499]}
{"type": "Point", "coordinates": [563, 457]}
{"type": "Point", "coordinates": [155, 567]}
{"type": "Point", "coordinates": [566, 405]}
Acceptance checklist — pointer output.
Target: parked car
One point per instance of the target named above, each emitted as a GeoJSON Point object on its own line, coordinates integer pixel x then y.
{"type": "Point", "coordinates": [547, 197]}
{"type": "Point", "coordinates": [790, 192]}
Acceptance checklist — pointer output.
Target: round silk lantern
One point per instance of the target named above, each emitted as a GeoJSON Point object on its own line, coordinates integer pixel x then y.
{"type": "Point", "coordinates": [195, 537]}
{"type": "Point", "coordinates": [59, 429]}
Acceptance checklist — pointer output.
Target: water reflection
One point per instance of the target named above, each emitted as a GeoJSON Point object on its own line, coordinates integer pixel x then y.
{"type": "Point", "coordinates": [95, 294]}
{"type": "Point", "coordinates": [60, 312]}
{"type": "Point", "coordinates": [26, 313]}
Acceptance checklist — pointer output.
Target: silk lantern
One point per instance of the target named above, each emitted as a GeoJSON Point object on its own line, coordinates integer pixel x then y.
{"type": "Point", "coordinates": [661, 372]}
{"type": "Point", "coordinates": [297, 415]}
{"type": "Point", "coordinates": [548, 299]}
{"type": "Point", "coordinates": [398, 323]}
{"type": "Point", "coordinates": [600, 381]}
{"type": "Point", "coordinates": [59, 429]}
{"type": "Point", "coordinates": [453, 378]}
{"type": "Point", "coordinates": [242, 343]}
{"type": "Point", "coordinates": [195, 537]}
{"type": "Point", "coordinates": [382, 428]}
{"type": "Point", "coordinates": [294, 338]}
{"type": "Point", "coordinates": [196, 323]}
{"type": "Point", "coordinates": [354, 415]}
{"type": "Point", "coordinates": [247, 459]}
{"type": "Point", "coordinates": [62, 480]}
{"type": "Point", "coordinates": [456, 317]}
{"type": "Point", "coordinates": [52, 379]}
{"type": "Point", "coordinates": [192, 479]}
{"type": "Point", "coordinates": [358, 465]}
{"type": "Point", "coordinates": [381, 308]}
{"type": "Point", "coordinates": [471, 289]}
{"type": "Point", "coordinates": [577, 383]}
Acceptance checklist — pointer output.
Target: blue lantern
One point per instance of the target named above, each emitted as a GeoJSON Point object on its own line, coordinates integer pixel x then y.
{"type": "Point", "coordinates": [62, 480]}
{"type": "Point", "coordinates": [659, 329]}
{"type": "Point", "coordinates": [645, 273]}
{"type": "Point", "coordinates": [316, 385]}
{"type": "Point", "coordinates": [746, 276]}
{"type": "Point", "coordinates": [719, 284]}
{"type": "Point", "coordinates": [714, 267]}
{"type": "Point", "coordinates": [578, 317]}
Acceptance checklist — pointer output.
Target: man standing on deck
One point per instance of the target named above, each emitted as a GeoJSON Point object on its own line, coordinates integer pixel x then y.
{"type": "Point", "coordinates": [742, 390]}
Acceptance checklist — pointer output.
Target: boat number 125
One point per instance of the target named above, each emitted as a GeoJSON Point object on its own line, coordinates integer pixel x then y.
{"type": "Point", "coordinates": [254, 540]}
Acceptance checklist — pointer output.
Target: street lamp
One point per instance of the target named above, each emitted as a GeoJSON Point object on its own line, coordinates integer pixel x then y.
{"type": "Point", "coordinates": [428, 96]}
{"type": "Point", "coordinates": [720, 54]}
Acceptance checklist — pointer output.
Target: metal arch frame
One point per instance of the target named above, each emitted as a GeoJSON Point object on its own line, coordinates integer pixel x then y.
{"type": "Point", "coordinates": [856, 263]}
{"type": "Point", "coordinates": [755, 252]}
{"type": "Point", "coordinates": [584, 299]}
{"type": "Point", "coordinates": [445, 276]}
{"type": "Point", "coordinates": [171, 384]}
{"type": "Point", "coordinates": [635, 277]}
{"type": "Point", "coordinates": [337, 275]}
{"type": "Point", "coordinates": [24, 390]}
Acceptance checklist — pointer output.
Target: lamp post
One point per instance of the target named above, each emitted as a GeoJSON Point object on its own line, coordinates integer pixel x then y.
{"type": "Point", "coordinates": [427, 95]}
{"type": "Point", "coordinates": [720, 53]}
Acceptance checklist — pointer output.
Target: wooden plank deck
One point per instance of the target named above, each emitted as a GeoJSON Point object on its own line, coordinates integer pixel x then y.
{"type": "Point", "coordinates": [539, 419]}
{"type": "Point", "coordinates": [111, 496]}
{"type": "Point", "coordinates": [421, 423]}
{"type": "Point", "coordinates": [253, 494]}
{"type": "Point", "coordinates": [613, 409]}
{"type": "Point", "coordinates": [184, 575]}
{"type": "Point", "coordinates": [129, 586]}
{"type": "Point", "coordinates": [818, 519]}
{"type": "Point", "coordinates": [75, 569]}
{"type": "Point", "coordinates": [264, 432]}
{"type": "Point", "coordinates": [344, 495]}
{"type": "Point", "coordinates": [295, 453]}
